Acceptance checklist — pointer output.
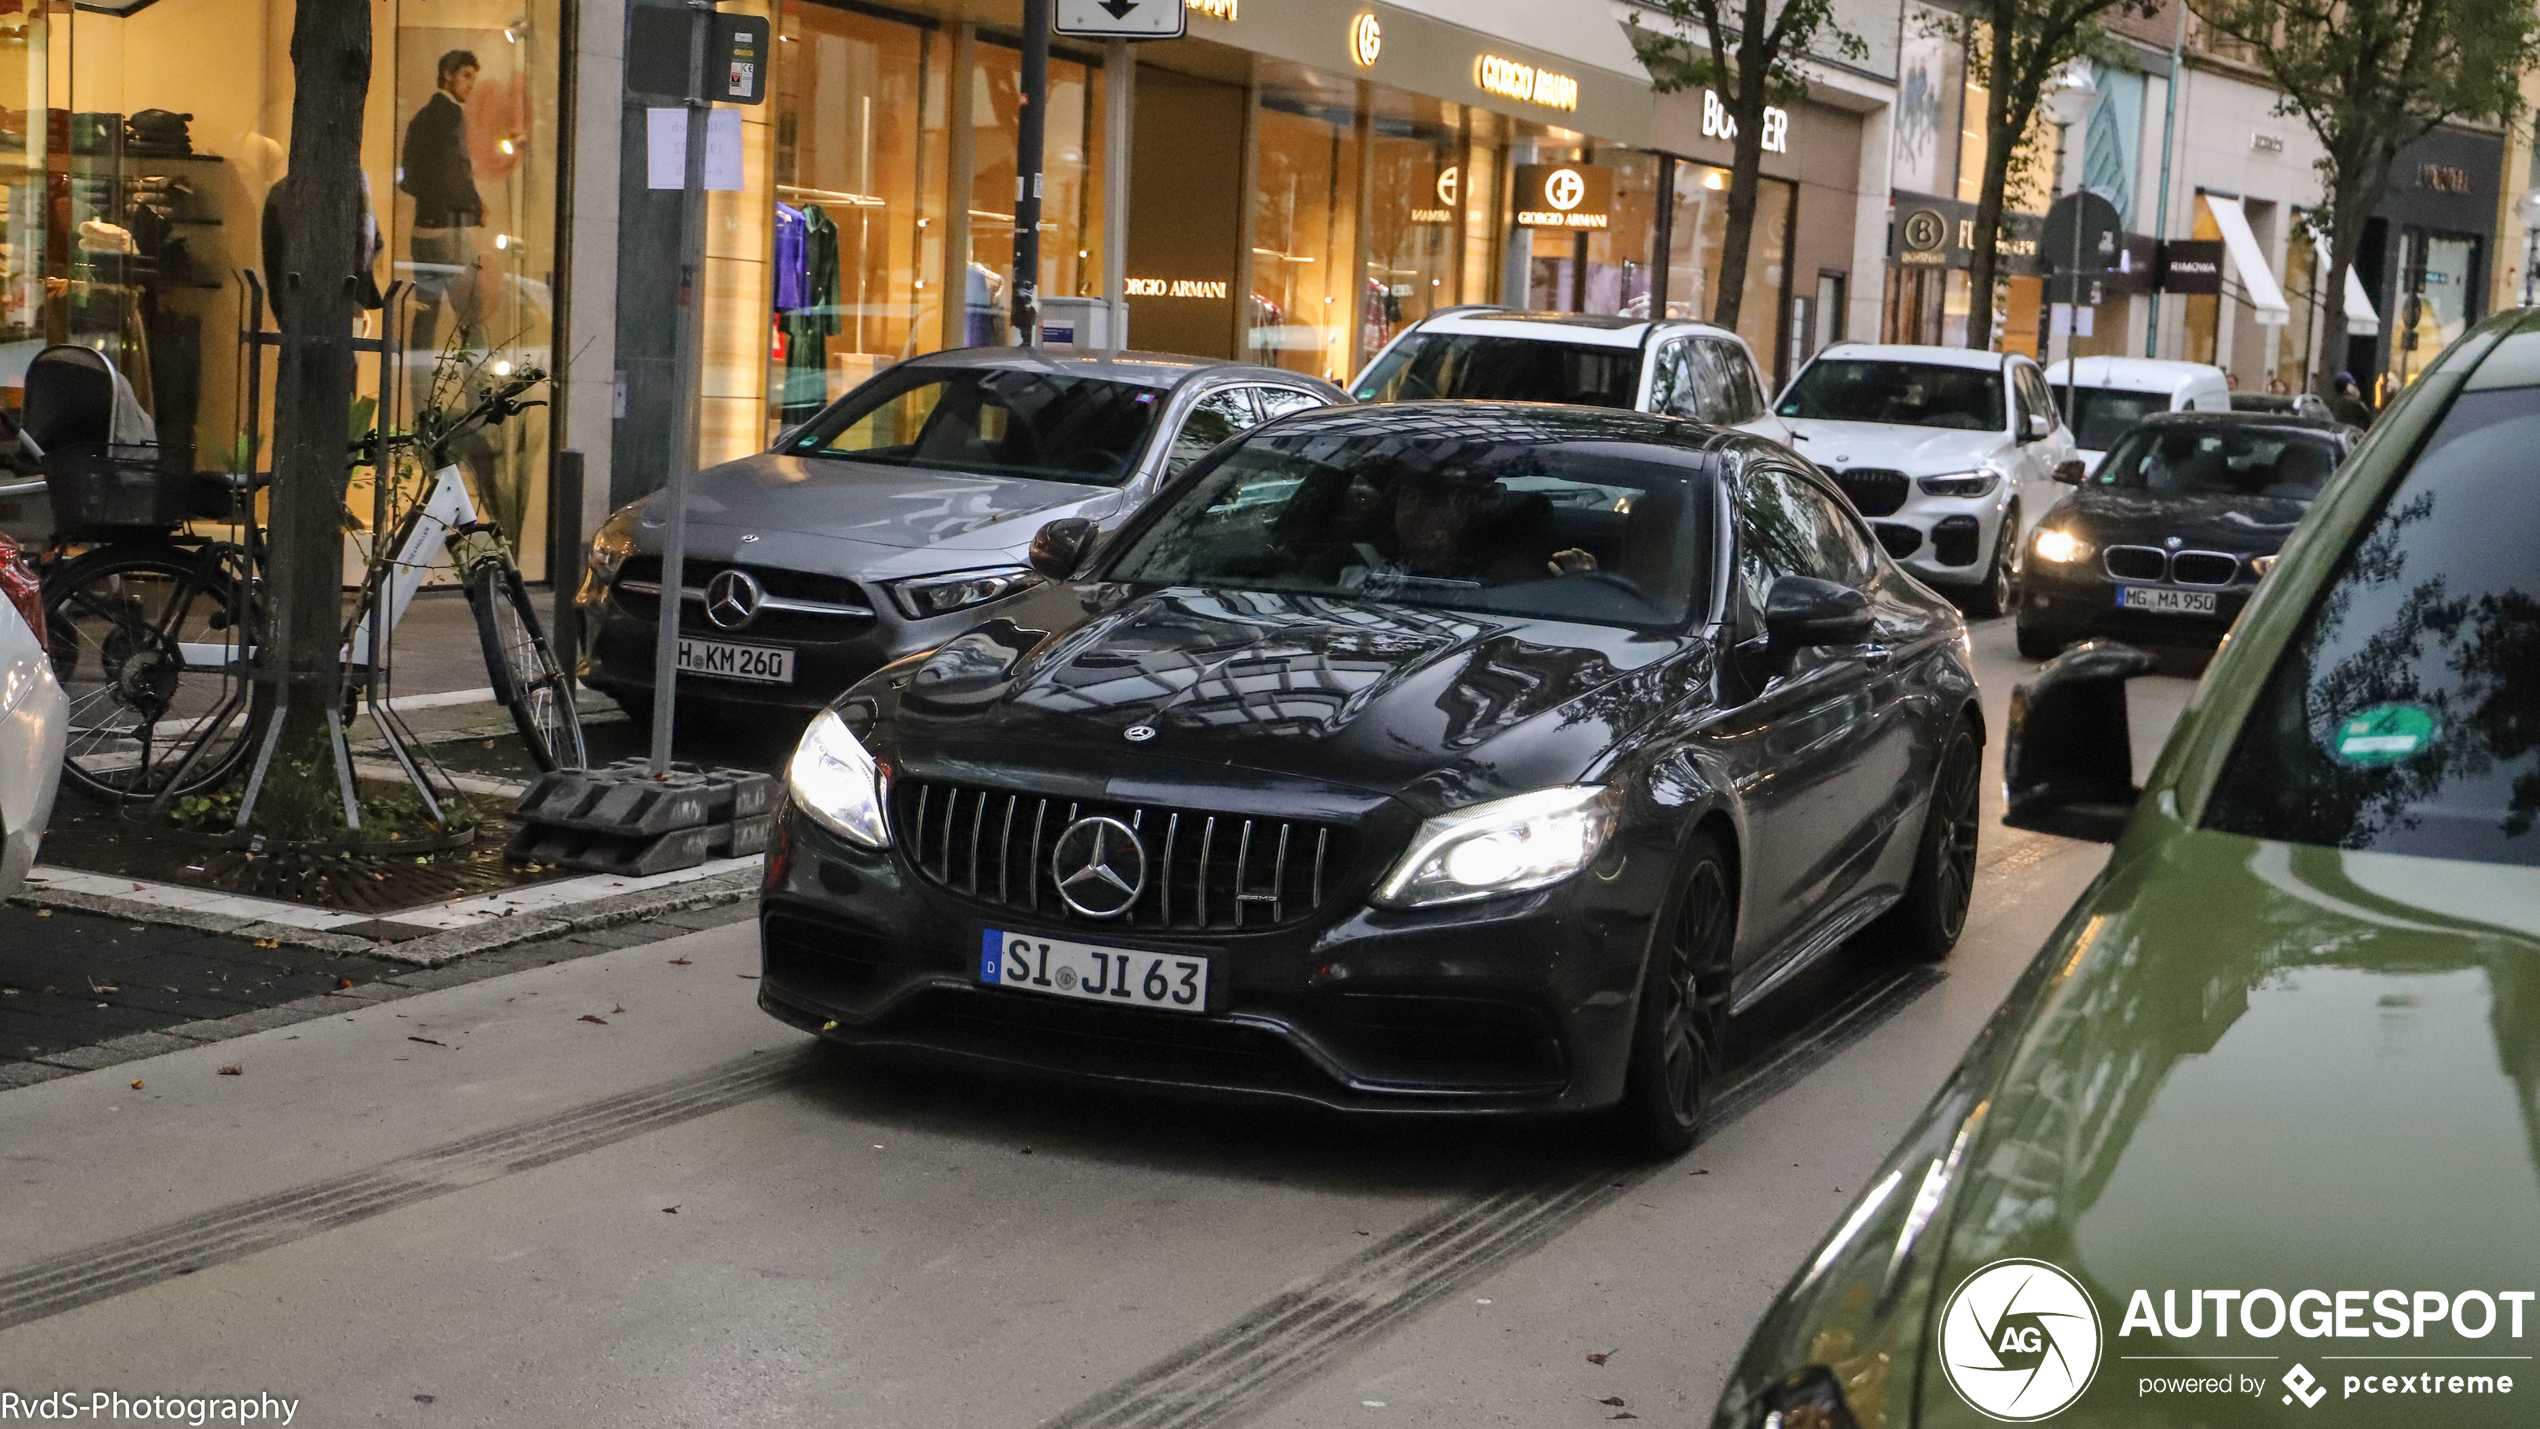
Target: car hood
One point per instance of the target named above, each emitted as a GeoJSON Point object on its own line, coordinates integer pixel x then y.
{"type": "Point", "coordinates": [1916, 451]}
{"type": "Point", "coordinates": [1356, 694]}
{"type": "Point", "coordinates": [2254, 1065]}
{"type": "Point", "coordinates": [811, 513]}
{"type": "Point", "coordinates": [2107, 516]}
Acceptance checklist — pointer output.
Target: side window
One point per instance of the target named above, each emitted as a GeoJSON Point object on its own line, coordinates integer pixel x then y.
{"type": "Point", "coordinates": [1787, 527]}
{"type": "Point", "coordinates": [1215, 418]}
{"type": "Point", "coordinates": [1671, 382]}
{"type": "Point", "coordinates": [1742, 391]}
{"type": "Point", "coordinates": [1280, 401]}
{"type": "Point", "coordinates": [1843, 553]}
{"type": "Point", "coordinates": [2034, 398]}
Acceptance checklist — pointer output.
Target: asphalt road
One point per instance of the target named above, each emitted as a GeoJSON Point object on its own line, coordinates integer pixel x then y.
{"type": "Point", "coordinates": [611, 1191]}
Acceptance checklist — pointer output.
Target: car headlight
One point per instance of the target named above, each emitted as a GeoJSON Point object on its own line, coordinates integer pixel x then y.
{"type": "Point", "coordinates": [837, 782]}
{"type": "Point", "coordinates": [2059, 546]}
{"type": "Point", "coordinates": [1960, 484]}
{"type": "Point", "coordinates": [612, 544]}
{"type": "Point", "coordinates": [1505, 846]}
{"type": "Point", "coordinates": [942, 595]}
{"type": "Point", "coordinates": [2262, 564]}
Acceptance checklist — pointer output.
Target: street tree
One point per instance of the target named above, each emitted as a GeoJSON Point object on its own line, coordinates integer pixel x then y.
{"type": "Point", "coordinates": [1752, 51]}
{"type": "Point", "coordinates": [321, 212]}
{"type": "Point", "coordinates": [2371, 77]}
{"type": "Point", "coordinates": [2018, 46]}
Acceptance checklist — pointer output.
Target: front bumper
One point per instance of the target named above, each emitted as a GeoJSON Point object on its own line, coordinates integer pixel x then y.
{"type": "Point", "coordinates": [2079, 601]}
{"type": "Point", "coordinates": [830, 652]}
{"type": "Point", "coordinates": [1509, 1005]}
{"type": "Point", "coordinates": [1946, 542]}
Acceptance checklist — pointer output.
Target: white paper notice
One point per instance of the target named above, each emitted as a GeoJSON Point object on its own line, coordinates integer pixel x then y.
{"type": "Point", "coordinates": [666, 148]}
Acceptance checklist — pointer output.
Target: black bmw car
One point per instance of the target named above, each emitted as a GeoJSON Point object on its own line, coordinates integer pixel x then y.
{"type": "Point", "coordinates": [1444, 757]}
{"type": "Point", "coordinates": [2167, 540]}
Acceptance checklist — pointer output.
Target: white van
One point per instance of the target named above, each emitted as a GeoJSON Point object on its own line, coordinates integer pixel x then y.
{"type": "Point", "coordinates": [2110, 394]}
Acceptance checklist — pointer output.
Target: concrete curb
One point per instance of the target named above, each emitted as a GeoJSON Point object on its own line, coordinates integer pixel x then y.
{"type": "Point", "coordinates": [432, 950]}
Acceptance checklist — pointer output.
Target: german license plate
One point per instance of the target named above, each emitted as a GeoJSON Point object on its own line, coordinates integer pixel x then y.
{"type": "Point", "coordinates": [759, 664]}
{"type": "Point", "coordinates": [2166, 602]}
{"type": "Point", "coordinates": [1171, 981]}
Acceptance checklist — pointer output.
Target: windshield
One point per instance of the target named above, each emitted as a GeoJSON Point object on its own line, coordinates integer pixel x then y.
{"type": "Point", "coordinates": [2405, 717]}
{"type": "Point", "coordinates": [2102, 414]}
{"type": "Point", "coordinates": [1504, 369]}
{"type": "Point", "coordinates": [1595, 532]}
{"type": "Point", "coordinates": [2221, 461]}
{"type": "Point", "coordinates": [1903, 394]}
{"type": "Point", "coordinates": [994, 421]}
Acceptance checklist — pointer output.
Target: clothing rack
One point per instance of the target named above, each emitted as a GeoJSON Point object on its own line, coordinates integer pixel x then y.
{"type": "Point", "coordinates": [834, 196]}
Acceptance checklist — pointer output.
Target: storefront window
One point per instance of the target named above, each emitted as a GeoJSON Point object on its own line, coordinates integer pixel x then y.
{"type": "Point", "coordinates": [1693, 254]}
{"type": "Point", "coordinates": [1071, 185]}
{"type": "Point", "coordinates": [2438, 307]}
{"type": "Point", "coordinates": [1415, 212]}
{"type": "Point", "coordinates": [170, 133]}
{"type": "Point", "coordinates": [859, 110]}
{"type": "Point", "coordinates": [1304, 227]}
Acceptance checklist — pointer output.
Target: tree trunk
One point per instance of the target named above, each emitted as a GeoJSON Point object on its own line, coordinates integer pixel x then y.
{"type": "Point", "coordinates": [1746, 166]}
{"type": "Point", "coordinates": [2355, 193]}
{"type": "Point", "coordinates": [2000, 138]}
{"type": "Point", "coordinates": [313, 394]}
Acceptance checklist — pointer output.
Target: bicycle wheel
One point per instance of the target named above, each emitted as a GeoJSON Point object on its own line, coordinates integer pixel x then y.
{"type": "Point", "coordinates": [526, 677]}
{"type": "Point", "coordinates": [151, 647]}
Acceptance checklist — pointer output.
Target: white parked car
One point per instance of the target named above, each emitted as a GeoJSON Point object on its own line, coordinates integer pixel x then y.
{"type": "Point", "coordinates": [2101, 397]}
{"type": "Point", "coordinates": [1672, 366]}
{"type": "Point", "coordinates": [1952, 455]}
{"type": "Point", "coordinates": [34, 717]}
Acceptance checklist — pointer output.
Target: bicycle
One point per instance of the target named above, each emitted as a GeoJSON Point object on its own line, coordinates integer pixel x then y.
{"type": "Point", "coordinates": [527, 679]}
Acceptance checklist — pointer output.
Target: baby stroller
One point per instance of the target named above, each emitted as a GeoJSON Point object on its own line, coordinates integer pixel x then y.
{"type": "Point", "coordinates": [98, 449]}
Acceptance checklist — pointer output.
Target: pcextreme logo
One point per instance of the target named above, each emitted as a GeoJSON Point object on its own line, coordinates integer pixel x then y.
{"type": "Point", "coordinates": [2019, 1340]}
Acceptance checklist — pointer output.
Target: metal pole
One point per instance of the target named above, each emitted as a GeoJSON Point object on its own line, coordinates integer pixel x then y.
{"type": "Point", "coordinates": [1120, 97]}
{"type": "Point", "coordinates": [687, 383]}
{"type": "Point", "coordinates": [2161, 210]}
{"type": "Point", "coordinates": [2072, 294]}
{"type": "Point", "coordinates": [1029, 128]}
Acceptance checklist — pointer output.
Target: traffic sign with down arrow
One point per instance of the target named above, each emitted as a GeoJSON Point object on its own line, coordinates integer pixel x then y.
{"type": "Point", "coordinates": [1120, 19]}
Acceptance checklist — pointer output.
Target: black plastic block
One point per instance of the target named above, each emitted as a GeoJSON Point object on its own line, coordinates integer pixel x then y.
{"type": "Point", "coordinates": [625, 799]}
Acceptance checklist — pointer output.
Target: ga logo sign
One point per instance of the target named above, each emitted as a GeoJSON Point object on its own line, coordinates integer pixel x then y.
{"type": "Point", "coordinates": [2019, 1340]}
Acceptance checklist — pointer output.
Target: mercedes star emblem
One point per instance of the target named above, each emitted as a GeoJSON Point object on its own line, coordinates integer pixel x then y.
{"type": "Point", "coordinates": [732, 599]}
{"type": "Point", "coordinates": [1100, 867]}
{"type": "Point", "coordinates": [1138, 733]}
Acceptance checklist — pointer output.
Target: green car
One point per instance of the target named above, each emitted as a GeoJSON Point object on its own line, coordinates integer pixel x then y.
{"type": "Point", "coordinates": [2256, 1139]}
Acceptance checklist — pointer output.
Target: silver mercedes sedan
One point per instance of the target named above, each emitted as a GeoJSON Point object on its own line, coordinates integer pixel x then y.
{"type": "Point", "coordinates": [887, 524]}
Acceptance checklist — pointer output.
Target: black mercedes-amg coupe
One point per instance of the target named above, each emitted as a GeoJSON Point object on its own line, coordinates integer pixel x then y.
{"type": "Point", "coordinates": [1437, 756]}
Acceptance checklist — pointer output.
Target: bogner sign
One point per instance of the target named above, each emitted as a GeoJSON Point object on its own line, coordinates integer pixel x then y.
{"type": "Point", "coordinates": [1572, 196]}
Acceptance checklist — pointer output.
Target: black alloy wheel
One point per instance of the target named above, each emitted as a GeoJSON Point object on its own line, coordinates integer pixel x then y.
{"type": "Point", "coordinates": [1993, 597]}
{"type": "Point", "coordinates": [1682, 1029]}
{"type": "Point", "coordinates": [1925, 924]}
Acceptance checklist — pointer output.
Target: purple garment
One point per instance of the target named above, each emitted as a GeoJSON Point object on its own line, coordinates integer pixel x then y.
{"type": "Point", "coordinates": [793, 268]}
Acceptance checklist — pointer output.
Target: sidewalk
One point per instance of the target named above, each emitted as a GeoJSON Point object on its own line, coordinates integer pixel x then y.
{"type": "Point", "coordinates": [99, 968]}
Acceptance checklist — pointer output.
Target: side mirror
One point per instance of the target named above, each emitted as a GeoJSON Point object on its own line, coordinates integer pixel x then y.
{"type": "Point", "coordinates": [2069, 760]}
{"type": "Point", "coordinates": [1059, 547]}
{"type": "Point", "coordinates": [1803, 611]}
{"type": "Point", "coordinates": [2071, 473]}
{"type": "Point", "coordinates": [2040, 427]}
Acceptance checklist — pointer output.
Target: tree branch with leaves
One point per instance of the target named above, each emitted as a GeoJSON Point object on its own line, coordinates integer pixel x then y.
{"type": "Point", "coordinates": [2369, 78]}
{"type": "Point", "coordinates": [1753, 52]}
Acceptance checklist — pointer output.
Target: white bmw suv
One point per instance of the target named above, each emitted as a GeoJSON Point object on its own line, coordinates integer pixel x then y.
{"type": "Point", "coordinates": [1672, 366]}
{"type": "Point", "coordinates": [1952, 455]}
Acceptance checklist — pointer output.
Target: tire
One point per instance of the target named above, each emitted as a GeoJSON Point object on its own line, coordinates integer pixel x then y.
{"type": "Point", "coordinates": [527, 680]}
{"type": "Point", "coordinates": [1992, 598]}
{"type": "Point", "coordinates": [1925, 924]}
{"type": "Point", "coordinates": [1682, 1026]}
{"type": "Point", "coordinates": [150, 646]}
{"type": "Point", "coordinates": [2037, 643]}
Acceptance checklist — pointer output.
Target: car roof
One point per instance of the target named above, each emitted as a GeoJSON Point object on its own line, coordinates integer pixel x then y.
{"type": "Point", "coordinates": [1913, 352]}
{"type": "Point", "coordinates": [1591, 329]}
{"type": "Point", "coordinates": [1151, 369]}
{"type": "Point", "coordinates": [1531, 423]}
{"type": "Point", "coordinates": [2137, 374]}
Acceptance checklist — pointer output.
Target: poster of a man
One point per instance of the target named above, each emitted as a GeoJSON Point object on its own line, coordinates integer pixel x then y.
{"type": "Point", "coordinates": [435, 168]}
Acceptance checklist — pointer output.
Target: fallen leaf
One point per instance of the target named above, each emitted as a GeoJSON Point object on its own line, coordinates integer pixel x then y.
{"type": "Point", "coordinates": [587, 1017]}
{"type": "Point", "coordinates": [268, 942]}
{"type": "Point", "coordinates": [428, 1042]}
{"type": "Point", "coordinates": [1599, 1357]}
{"type": "Point", "coordinates": [681, 962]}
{"type": "Point", "coordinates": [829, 1026]}
{"type": "Point", "coordinates": [137, 887]}
{"type": "Point", "coordinates": [343, 982]}
{"type": "Point", "coordinates": [672, 1210]}
{"type": "Point", "coordinates": [423, 1399]}
{"type": "Point", "coordinates": [1363, 1232]}
{"type": "Point", "coordinates": [136, 1085]}
{"type": "Point", "coordinates": [1626, 1414]}
{"type": "Point", "coordinates": [43, 912]}
{"type": "Point", "coordinates": [1613, 1400]}
{"type": "Point", "coordinates": [1027, 1151]}
{"type": "Point", "coordinates": [614, 1010]}
{"type": "Point", "coordinates": [233, 1071]}
{"type": "Point", "coordinates": [747, 977]}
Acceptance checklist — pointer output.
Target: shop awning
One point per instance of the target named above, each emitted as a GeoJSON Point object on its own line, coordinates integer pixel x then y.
{"type": "Point", "coordinates": [2256, 279]}
{"type": "Point", "coordinates": [2361, 320]}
